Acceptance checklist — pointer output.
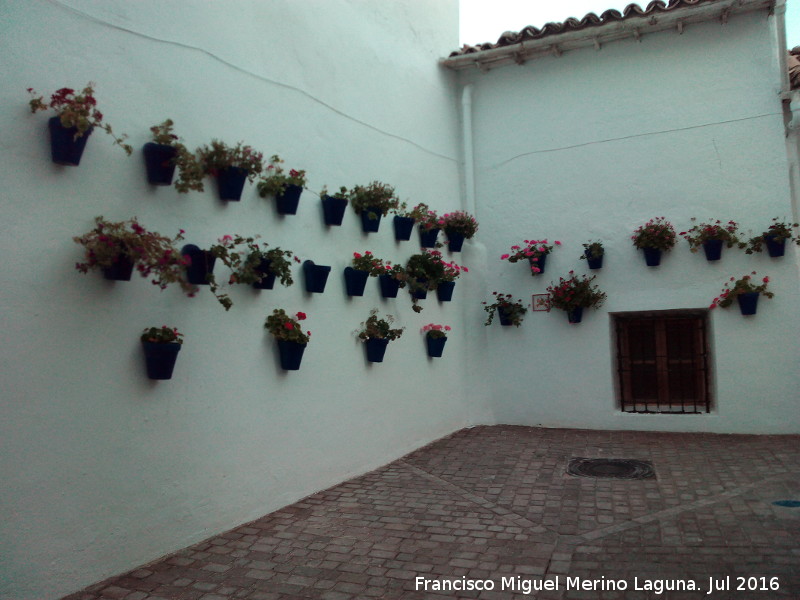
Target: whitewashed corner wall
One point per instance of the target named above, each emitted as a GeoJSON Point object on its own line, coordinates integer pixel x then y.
{"type": "Point", "coordinates": [595, 143]}
{"type": "Point", "coordinates": [103, 469]}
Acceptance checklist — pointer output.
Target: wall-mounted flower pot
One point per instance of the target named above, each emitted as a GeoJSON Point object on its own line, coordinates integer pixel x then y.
{"type": "Point", "coordinates": [444, 291]}
{"type": "Point", "coordinates": [230, 183]}
{"type": "Point", "coordinates": [713, 249]}
{"type": "Point", "coordinates": [652, 256]}
{"type": "Point", "coordinates": [403, 226]}
{"type": "Point", "coordinates": [291, 354]}
{"type": "Point", "coordinates": [65, 148]}
{"type": "Point", "coordinates": [541, 262]}
{"type": "Point", "coordinates": [376, 349]}
{"type": "Point", "coordinates": [594, 263]}
{"type": "Point", "coordinates": [333, 210]}
{"type": "Point", "coordinates": [427, 238]}
{"type": "Point", "coordinates": [201, 265]}
{"type": "Point", "coordinates": [420, 291]}
{"type": "Point", "coordinates": [316, 277]}
{"type": "Point", "coordinates": [455, 240]}
{"type": "Point", "coordinates": [121, 270]}
{"type": "Point", "coordinates": [288, 201]}
{"type": "Point", "coordinates": [389, 286]}
{"type": "Point", "coordinates": [435, 346]}
{"type": "Point", "coordinates": [159, 160]}
{"type": "Point", "coordinates": [160, 359]}
{"type": "Point", "coordinates": [267, 277]}
{"type": "Point", "coordinates": [355, 281]}
{"type": "Point", "coordinates": [748, 302]}
{"type": "Point", "coordinates": [775, 246]}
{"type": "Point", "coordinates": [371, 219]}
{"type": "Point", "coordinates": [505, 316]}
{"type": "Point", "coordinates": [575, 315]}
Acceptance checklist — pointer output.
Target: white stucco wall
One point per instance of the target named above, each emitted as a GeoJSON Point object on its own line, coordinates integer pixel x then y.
{"type": "Point", "coordinates": [103, 469]}
{"type": "Point", "coordinates": [595, 143]}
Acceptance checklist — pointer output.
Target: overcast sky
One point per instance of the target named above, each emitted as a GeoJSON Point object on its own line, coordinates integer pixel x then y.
{"type": "Point", "coordinates": [487, 20]}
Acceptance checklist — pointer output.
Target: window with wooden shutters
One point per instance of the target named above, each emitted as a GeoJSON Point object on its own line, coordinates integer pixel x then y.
{"type": "Point", "coordinates": [662, 362]}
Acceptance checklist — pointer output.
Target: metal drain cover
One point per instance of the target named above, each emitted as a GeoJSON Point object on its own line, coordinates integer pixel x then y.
{"type": "Point", "coordinates": [616, 468]}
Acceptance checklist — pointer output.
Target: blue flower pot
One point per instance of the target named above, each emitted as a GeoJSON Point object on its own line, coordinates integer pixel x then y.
{"type": "Point", "coordinates": [121, 270]}
{"type": "Point", "coordinates": [287, 202]}
{"type": "Point", "coordinates": [159, 161]}
{"type": "Point", "coordinates": [355, 281]}
{"type": "Point", "coordinates": [316, 276]}
{"type": "Point", "coordinates": [575, 315]}
{"type": "Point", "coordinates": [389, 286]}
{"type": "Point", "coordinates": [230, 183]}
{"type": "Point", "coordinates": [420, 293]}
{"type": "Point", "coordinates": [371, 219]}
{"type": "Point", "coordinates": [160, 359]}
{"type": "Point", "coordinates": [713, 249]}
{"type": "Point", "coordinates": [748, 302]}
{"type": "Point", "coordinates": [376, 349]}
{"type": "Point", "coordinates": [594, 263]}
{"type": "Point", "coordinates": [427, 239]}
{"type": "Point", "coordinates": [505, 317]}
{"type": "Point", "coordinates": [333, 210]}
{"type": "Point", "coordinates": [775, 246]}
{"type": "Point", "coordinates": [444, 291]}
{"type": "Point", "coordinates": [652, 256]}
{"type": "Point", "coordinates": [201, 266]}
{"type": "Point", "coordinates": [435, 346]}
{"type": "Point", "coordinates": [65, 149]}
{"type": "Point", "coordinates": [291, 354]}
{"type": "Point", "coordinates": [403, 226]}
{"type": "Point", "coordinates": [541, 262]}
{"type": "Point", "coordinates": [267, 277]}
{"type": "Point", "coordinates": [455, 240]}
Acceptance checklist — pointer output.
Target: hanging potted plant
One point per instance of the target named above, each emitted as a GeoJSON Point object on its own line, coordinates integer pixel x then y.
{"type": "Point", "coordinates": [774, 238]}
{"type": "Point", "coordinates": [435, 338]}
{"type": "Point", "coordinates": [574, 294]}
{"type": "Point", "coordinates": [372, 202]}
{"type": "Point", "coordinates": [291, 339]}
{"type": "Point", "coordinates": [76, 117]}
{"type": "Point", "coordinates": [230, 166]}
{"type": "Point", "coordinates": [593, 252]}
{"type": "Point", "coordinates": [430, 224]}
{"type": "Point", "coordinates": [116, 248]}
{"type": "Point", "coordinates": [510, 311]}
{"type": "Point", "coordinates": [161, 346]}
{"type": "Point", "coordinates": [361, 268]}
{"type": "Point", "coordinates": [254, 264]}
{"type": "Point", "coordinates": [745, 292]}
{"type": "Point", "coordinates": [316, 276]}
{"type": "Point", "coordinates": [654, 237]}
{"type": "Point", "coordinates": [534, 251]}
{"type": "Point", "coordinates": [459, 226]}
{"type": "Point", "coordinates": [376, 333]}
{"type": "Point", "coordinates": [424, 271]}
{"type": "Point", "coordinates": [711, 236]}
{"type": "Point", "coordinates": [390, 278]}
{"type": "Point", "coordinates": [333, 206]}
{"type": "Point", "coordinates": [447, 282]}
{"type": "Point", "coordinates": [166, 152]}
{"type": "Point", "coordinates": [286, 189]}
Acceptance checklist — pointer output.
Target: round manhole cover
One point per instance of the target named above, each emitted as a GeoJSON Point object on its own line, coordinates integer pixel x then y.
{"type": "Point", "coordinates": [617, 468]}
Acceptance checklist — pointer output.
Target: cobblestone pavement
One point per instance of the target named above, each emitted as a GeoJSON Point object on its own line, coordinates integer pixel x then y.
{"type": "Point", "coordinates": [489, 503]}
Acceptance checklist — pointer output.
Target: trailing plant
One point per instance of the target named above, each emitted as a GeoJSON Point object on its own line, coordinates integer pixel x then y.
{"type": "Point", "coordinates": [162, 335]}
{"type": "Point", "coordinates": [740, 286]}
{"type": "Point", "coordinates": [219, 156]}
{"type": "Point", "coordinates": [593, 250]}
{"type": "Point", "coordinates": [573, 292]}
{"type": "Point", "coordinates": [284, 327]}
{"type": "Point", "coordinates": [78, 111]}
{"type": "Point", "coordinates": [375, 198]}
{"type": "Point", "coordinates": [276, 181]}
{"type": "Point", "coordinates": [434, 331]}
{"type": "Point", "coordinates": [190, 171]}
{"type": "Point", "coordinates": [532, 251]}
{"type": "Point", "coordinates": [154, 256]}
{"type": "Point", "coordinates": [460, 221]}
{"type": "Point", "coordinates": [713, 230]}
{"type": "Point", "coordinates": [514, 309]}
{"type": "Point", "coordinates": [376, 327]}
{"type": "Point", "coordinates": [424, 272]}
{"type": "Point", "coordinates": [657, 233]}
{"type": "Point", "coordinates": [779, 230]}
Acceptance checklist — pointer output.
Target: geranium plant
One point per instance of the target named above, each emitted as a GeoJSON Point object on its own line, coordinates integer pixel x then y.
{"type": "Point", "coordinates": [368, 262]}
{"type": "Point", "coordinates": [424, 272]}
{"type": "Point", "coordinates": [375, 198]}
{"type": "Point", "coordinates": [284, 327]}
{"type": "Point", "coordinates": [593, 250]}
{"type": "Point", "coordinates": [460, 221]}
{"type": "Point", "coordinates": [78, 110]}
{"type": "Point", "coordinates": [219, 156]}
{"type": "Point", "coordinates": [712, 230]}
{"type": "Point", "coordinates": [395, 271]}
{"type": "Point", "coordinates": [657, 233]}
{"type": "Point", "coordinates": [780, 231]}
{"type": "Point", "coordinates": [575, 292]}
{"type": "Point", "coordinates": [342, 194]}
{"type": "Point", "coordinates": [153, 255]}
{"type": "Point", "coordinates": [513, 310]}
{"type": "Point", "coordinates": [162, 335]}
{"type": "Point", "coordinates": [736, 287]}
{"type": "Point", "coordinates": [376, 327]}
{"type": "Point", "coordinates": [435, 331]}
{"type": "Point", "coordinates": [532, 251]}
{"type": "Point", "coordinates": [190, 171]}
{"type": "Point", "coordinates": [275, 182]}
{"type": "Point", "coordinates": [451, 271]}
